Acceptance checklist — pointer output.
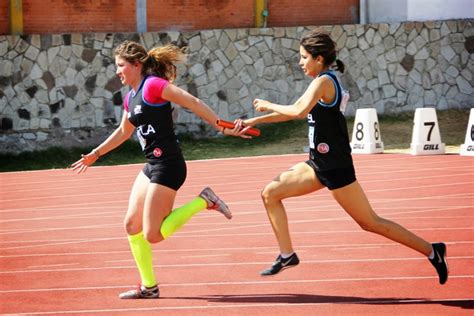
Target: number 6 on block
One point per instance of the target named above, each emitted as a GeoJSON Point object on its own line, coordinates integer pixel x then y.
{"type": "Point", "coordinates": [226, 124]}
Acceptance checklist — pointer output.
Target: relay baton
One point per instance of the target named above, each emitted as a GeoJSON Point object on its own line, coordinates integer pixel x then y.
{"type": "Point", "coordinates": [226, 124]}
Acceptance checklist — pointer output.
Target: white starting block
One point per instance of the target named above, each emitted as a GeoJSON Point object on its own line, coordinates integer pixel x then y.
{"type": "Point", "coordinates": [467, 149]}
{"type": "Point", "coordinates": [426, 139]}
{"type": "Point", "coordinates": [366, 136]}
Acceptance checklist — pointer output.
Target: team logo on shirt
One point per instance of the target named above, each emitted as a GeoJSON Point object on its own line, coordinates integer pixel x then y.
{"type": "Point", "coordinates": [323, 148]}
{"type": "Point", "coordinates": [137, 109]}
{"type": "Point", "coordinates": [146, 130]}
{"type": "Point", "coordinates": [157, 152]}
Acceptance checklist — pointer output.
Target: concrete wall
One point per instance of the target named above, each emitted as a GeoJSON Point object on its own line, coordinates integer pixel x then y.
{"type": "Point", "coordinates": [62, 89]}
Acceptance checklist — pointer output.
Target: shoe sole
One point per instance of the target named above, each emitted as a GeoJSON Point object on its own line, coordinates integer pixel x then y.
{"type": "Point", "coordinates": [227, 214]}
{"type": "Point", "coordinates": [139, 298]}
{"type": "Point", "coordinates": [284, 268]}
{"type": "Point", "coordinates": [223, 209]}
{"type": "Point", "coordinates": [446, 262]}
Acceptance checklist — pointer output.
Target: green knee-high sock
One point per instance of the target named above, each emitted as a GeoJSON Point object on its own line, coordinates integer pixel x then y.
{"type": "Point", "coordinates": [181, 215]}
{"type": "Point", "coordinates": [141, 251]}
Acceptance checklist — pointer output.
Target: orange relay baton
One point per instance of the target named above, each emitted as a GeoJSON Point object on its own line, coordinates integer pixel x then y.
{"type": "Point", "coordinates": [226, 124]}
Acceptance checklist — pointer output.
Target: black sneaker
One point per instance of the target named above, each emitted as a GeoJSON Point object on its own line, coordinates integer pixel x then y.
{"type": "Point", "coordinates": [439, 261]}
{"type": "Point", "coordinates": [281, 264]}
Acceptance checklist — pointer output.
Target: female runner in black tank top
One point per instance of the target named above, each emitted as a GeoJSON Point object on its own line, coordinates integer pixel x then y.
{"type": "Point", "coordinates": [330, 164]}
{"type": "Point", "coordinates": [150, 217]}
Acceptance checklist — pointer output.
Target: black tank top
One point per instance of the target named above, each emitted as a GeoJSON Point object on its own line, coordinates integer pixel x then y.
{"type": "Point", "coordinates": [328, 137]}
{"type": "Point", "coordinates": [155, 128]}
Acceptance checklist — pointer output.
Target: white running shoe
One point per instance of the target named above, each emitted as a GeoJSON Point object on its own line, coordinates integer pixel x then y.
{"type": "Point", "coordinates": [215, 203]}
{"type": "Point", "coordinates": [141, 292]}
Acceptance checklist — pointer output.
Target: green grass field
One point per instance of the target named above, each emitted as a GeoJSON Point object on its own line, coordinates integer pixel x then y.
{"type": "Point", "coordinates": [281, 138]}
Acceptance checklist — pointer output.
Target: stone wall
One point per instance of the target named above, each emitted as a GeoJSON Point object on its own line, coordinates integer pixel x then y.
{"type": "Point", "coordinates": [62, 90]}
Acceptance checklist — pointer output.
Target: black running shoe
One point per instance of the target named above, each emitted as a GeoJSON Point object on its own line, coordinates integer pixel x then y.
{"type": "Point", "coordinates": [281, 264]}
{"type": "Point", "coordinates": [439, 261]}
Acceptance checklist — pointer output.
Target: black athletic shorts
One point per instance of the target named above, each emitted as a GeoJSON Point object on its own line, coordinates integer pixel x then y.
{"type": "Point", "coordinates": [334, 178]}
{"type": "Point", "coordinates": [170, 173]}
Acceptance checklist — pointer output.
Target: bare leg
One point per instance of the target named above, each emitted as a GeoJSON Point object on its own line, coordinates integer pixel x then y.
{"type": "Point", "coordinates": [158, 204]}
{"type": "Point", "coordinates": [354, 201]}
{"type": "Point", "coordinates": [134, 218]}
{"type": "Point", "coordinates": [298, 180]}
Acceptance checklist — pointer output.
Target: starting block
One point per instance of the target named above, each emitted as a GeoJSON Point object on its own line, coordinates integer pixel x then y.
{"type": "Point", "coordinates": [366, 136]}
{"type": "Point", "coordinates": [467, 149]}
{"type": "Point", "coordinates": [426, 139]}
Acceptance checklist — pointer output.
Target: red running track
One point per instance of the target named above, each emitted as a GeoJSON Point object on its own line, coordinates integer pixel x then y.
{"type": "Point", "coordinates": [63, 249]}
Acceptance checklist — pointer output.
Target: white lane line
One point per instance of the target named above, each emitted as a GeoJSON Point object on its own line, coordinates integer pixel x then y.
{"type": "Point", "coordinates": [208, 256]}
{"type": "Point", "coordinates": [277, 252]}
{"type": "Point", "coordinates": [195, 165]}
{"type": "Point", "coordinates": [219, 249]}
{"type": "Point", "coordinates": [45, 240]}
{"type": "Point", "coordinates": [62, 206]}
{"type": "Point", "coordinates": [201, 235]}
{"type": "Point", "coordinates": [117, 170]}
{"type": "Point", "coordinates": [125, 193]}
{"type": "Point", "coordinates": [233, 264]}
{"type": "Point", "coordinates": [18, 187]}
{"type": "Point", "coordinates": [53, 265]}
{"type": "Point", "coordinates": [74, 196]}
{"type": "Point", "coordinates": [327, 198]}
{"type": "Point", "coordinates": [358, 231]}
{"type": "Point", "coordinates": [101, 226]}
{"type": "Point", "coordinates": [68, 254]}
{"type": "Point", "coordinates": [123, 260]}
{"type": "Point", "coordinates": [361, 173]}
{"type": "Point", "coordinates": [457, 184]}
{"type": "Point", "coordinates": [398, 216]}
{"type": "Point", "coordinates": [70, 216]}
{"type": "Point", "coordinates": [252, 306]}
{"type": "Point", "coordinates": [331, 208]}
{"type": "Point", "coordinates": [227, 283]}
{"type": "Point", "coordinates": [294, 222]}
{"type": "Point", "coordinates": [353, 248]}
{"type": "Point", "coordinates": [50, 244]}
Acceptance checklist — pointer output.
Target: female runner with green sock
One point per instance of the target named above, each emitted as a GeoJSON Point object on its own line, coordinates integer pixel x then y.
{"type": "Point", "coordinates": [148, 110]}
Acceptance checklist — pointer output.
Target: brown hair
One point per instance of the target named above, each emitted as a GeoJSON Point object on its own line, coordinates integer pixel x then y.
{"type": "Point", "coordinates": [159, 61]}
{"type": "Point", "coordinates": [319, 43]}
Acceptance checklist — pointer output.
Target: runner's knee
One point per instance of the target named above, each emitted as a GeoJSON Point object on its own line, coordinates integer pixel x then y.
{"type": "Point", "coordinates": [373, 224]}
{"type": "Point", "coordinates": [269, 194]}
{"type": "Point", "coordinates": [153, 237]}
{"type": "Point", "coordinates": [132, 226]}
